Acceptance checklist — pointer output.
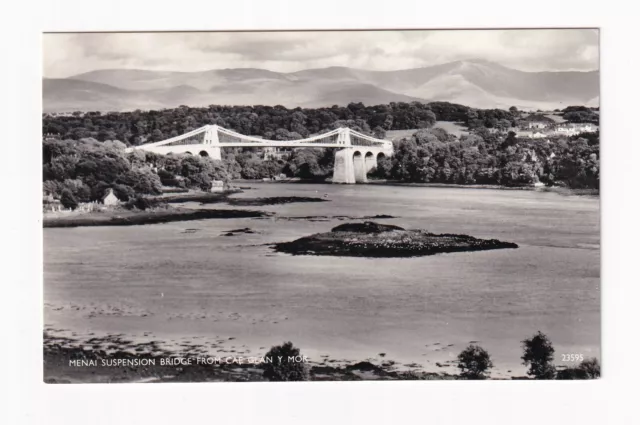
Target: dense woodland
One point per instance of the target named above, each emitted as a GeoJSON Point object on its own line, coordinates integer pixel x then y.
{"type": "Point", "coordinates": [83, 154]}
{"type": "Point", "coordinates": [483, 157]}
{"type": "Point", "coordinates": [280, 123]}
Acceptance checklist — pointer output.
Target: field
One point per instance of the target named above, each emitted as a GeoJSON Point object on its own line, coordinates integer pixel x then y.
{"type": "Point", "coordinates": [450, 127]}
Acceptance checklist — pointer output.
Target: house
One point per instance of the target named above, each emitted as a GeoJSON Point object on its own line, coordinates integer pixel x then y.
{"type": "Point", "coordinates": [585, 128]}
{"type": "Point", "coordinates": [538, 125]}
{"type": "Point", "coordinates": [573, 129]}
{"type": "Point", "coordinates": [110, 198]}
{"type": "Point", "coordinates": [275, 153]}
{"type": "Point", "coordinates": [217, 186]}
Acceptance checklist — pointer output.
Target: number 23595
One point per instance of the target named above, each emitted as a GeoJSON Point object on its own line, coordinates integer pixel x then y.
{"type": "Point", "coordinates": [572, 357]}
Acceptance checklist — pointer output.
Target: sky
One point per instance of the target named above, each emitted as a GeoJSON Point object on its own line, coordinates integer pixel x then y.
{"type": "Point", "coordinates": [65, 55]}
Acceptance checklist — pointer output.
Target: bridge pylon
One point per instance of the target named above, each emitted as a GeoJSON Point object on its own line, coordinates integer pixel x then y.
{"type": "Point", "coordinates": [343, 167]}
{"type": "Point", "coordinates": [344, 137]}
{"type": "Point", "coordinates": [212, 141]}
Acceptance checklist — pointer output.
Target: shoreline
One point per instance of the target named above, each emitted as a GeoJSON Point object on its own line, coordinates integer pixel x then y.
{"type": "Point", "coordinates": [134, 218]}
{"type": "Point", "coordinates": [165, 212]}
{"type": "Point", "coordinates": [550, 189]}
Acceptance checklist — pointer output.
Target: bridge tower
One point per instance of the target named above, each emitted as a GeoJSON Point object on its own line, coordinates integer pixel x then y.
{"type": "Point", "coordinates": [343, 167]}
{"type": "Point", "coordinates": [212, 142]}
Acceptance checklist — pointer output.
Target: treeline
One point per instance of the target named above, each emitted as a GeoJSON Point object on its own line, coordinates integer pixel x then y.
{"type": "Point", "coordinates": [86, 168]}
{"type": "Point", "coordinates": [581, 114]}
{"type": "Point", "coordinates": [280, 123]}
{"type": "Point", "coordinates": [484, 157]}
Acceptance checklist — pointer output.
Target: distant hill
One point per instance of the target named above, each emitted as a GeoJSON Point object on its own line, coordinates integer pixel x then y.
{"type": "Point", "coordinates": [476, 83]}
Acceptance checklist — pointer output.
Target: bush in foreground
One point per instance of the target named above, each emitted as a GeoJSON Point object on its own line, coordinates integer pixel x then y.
{"type": "Point", "coordinates": [285, 364]}
{"type": "Point", "coordinates": [474, 362]}
{"type": "Point", "coordinates": [538, 355]}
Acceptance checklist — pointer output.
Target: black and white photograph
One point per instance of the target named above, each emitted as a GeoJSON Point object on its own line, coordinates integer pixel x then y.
{"type": "Point", "coordinates": [363, 205]}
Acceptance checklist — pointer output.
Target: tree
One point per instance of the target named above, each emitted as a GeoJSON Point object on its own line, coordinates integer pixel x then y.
{"type": "Point", "coordinates": [427, 119]}
{"type": "Point", "coordinates": [538, 355]}
{"type": "Point", "coordinates": [283, 363]}
{"type": "Point", "coordinates": [123, 192]}
{"type": "Point", "coordinates": [68, 200]}
{"type": "Point", "coordinates": [503, 125]}
{"type": "Point", "coordinates": [379, 132]}
{"type": "Point", "coordinates": [474, 363]}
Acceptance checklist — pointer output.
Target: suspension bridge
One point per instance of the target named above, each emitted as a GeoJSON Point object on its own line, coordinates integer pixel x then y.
{"type": "Point", "coordinates": [357, 153]}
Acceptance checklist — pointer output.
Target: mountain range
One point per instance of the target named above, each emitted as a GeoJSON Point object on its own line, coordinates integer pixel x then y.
{"type": "Point", "coordinates": [476, 83]}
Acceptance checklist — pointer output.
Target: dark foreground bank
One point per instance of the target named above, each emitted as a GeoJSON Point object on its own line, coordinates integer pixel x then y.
{"type": "Point", "coordinates": [115, 358]}
{"type": "Point", "coordinates": [370, 239]}
{"type": "Point", "coordinates": [67, 361]}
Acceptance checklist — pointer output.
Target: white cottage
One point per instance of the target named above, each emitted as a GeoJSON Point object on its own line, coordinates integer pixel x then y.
{"type": "Point", "coordinates": [110, 198]}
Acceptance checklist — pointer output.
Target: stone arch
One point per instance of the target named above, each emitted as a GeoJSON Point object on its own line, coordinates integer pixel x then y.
{"type": "Point", "coordinates": [359, 168]}
{"type": "Point", "coordinates": [188, 153]}
{"type": "Point", "coordinates": [380, 156]}
{"type": "Point", "coordinates": [370, 162]}
{"type": "Point", "coordinates": [204, 153]}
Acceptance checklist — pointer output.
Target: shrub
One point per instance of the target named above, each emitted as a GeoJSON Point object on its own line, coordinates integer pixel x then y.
{"type": "Point", "coordinates": [474, 363]}
{"type": "Point", "coordinates": [538, 354]}
{"type": "Point", "coordinates": [571, 373]}
{"type": "Point", "coordinates": [284, 367]}
{"type": "Point", "coordinates": [588, 369]}
{"type": "Point", "coordinates": [140, 203]}
{"type": "Point", "coordinates": [68, 200]}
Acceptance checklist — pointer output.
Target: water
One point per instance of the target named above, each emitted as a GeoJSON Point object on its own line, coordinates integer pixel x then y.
{"type": "Point", "coordinates": [425, 310]}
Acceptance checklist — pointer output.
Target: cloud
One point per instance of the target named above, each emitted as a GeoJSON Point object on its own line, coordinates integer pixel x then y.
{"type": "Point", "coordinates": [530, 50]}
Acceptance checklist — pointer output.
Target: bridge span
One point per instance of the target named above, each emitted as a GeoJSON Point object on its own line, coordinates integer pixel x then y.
{"type": "Point", "coordinates": [357, 153]}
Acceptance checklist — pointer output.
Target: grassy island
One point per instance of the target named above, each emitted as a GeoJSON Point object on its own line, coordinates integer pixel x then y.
{"type": "Point", "coordinates": [370, 239]}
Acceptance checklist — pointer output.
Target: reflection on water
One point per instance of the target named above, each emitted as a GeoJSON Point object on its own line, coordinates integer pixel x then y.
{"type": "Point", "coordinates": [423, 310]}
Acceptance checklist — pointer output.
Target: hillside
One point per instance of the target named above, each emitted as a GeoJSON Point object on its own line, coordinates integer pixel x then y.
{"type": "Point", "coordinates": [475, 83]}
